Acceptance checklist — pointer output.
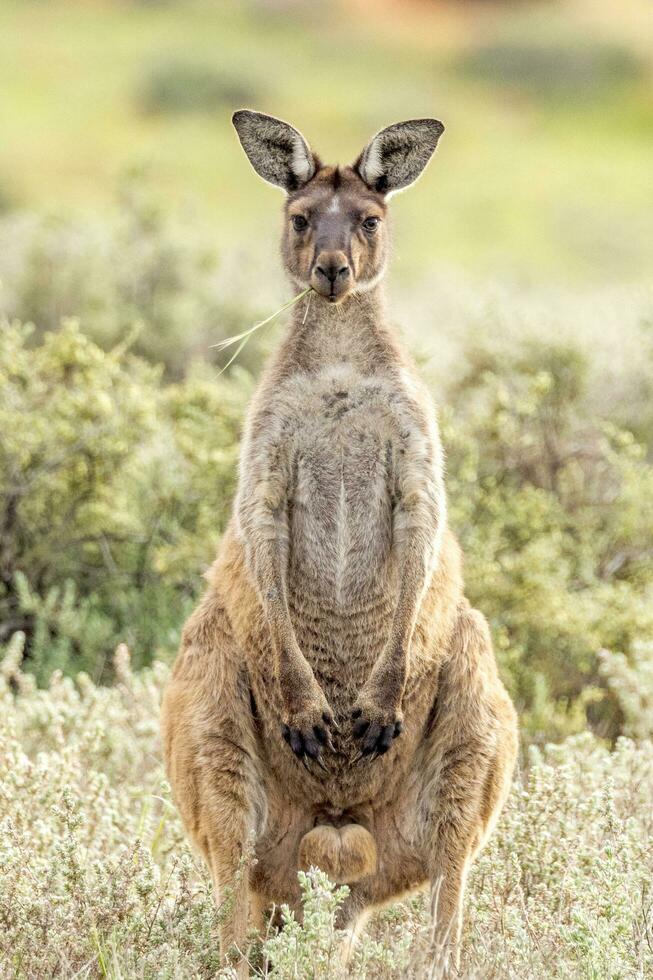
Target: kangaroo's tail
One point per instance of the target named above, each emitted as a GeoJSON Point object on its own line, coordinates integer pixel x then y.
{"type": "Point", "coordinates": [345, 854]}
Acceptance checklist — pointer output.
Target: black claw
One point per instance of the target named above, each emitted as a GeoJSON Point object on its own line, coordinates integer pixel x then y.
{"type": "Point", "coordinates": [311, 747]}
{"type": "Point", "coordinates": [312, 753]}
{"type": "Point", "coordinates": [376, 739]}
{"type": "Point", "coordinates": [360, 728]}
{"type": "Point", "coordinates": [320, 734]}
{"type": "Point", "coordinates": [386, 737]}
{"type": "Point", "coordinates": [357, 713]}
{"type": "Point", "coordinates": [297, 743]}
{"type": "Point", "coordinates": [324, 738]}
{"type": "Point", "coordinates": [372, 737]}
{"type": "Point", "coordinates": [307, 747]}
{"type": "Point", "coordinates": [327, 718]}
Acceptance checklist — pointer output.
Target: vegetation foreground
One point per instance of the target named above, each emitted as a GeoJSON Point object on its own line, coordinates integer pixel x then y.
{"type": "Point", "coordinates": [97, 879]}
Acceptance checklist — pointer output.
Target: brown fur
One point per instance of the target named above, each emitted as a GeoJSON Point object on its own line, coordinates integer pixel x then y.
{"type": "Point", "coordinates": [336, 700]}
{"type": "Point", "coordinates": [346, 853]}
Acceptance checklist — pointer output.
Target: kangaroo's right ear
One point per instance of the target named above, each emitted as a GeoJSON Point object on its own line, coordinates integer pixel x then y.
{"type": "Point", "coordinates": [277, 151]}
{"type": "Point", "coordinates": [396, 156]}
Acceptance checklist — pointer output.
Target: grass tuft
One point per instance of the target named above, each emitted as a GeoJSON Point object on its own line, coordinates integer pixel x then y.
{"type": "Point", "coordinates": [242, 338]}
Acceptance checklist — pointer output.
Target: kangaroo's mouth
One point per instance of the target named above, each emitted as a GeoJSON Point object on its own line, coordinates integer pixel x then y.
{"type": "Point", "coordinates": [333, 292]}
{"type": "Point", "coordinates": [331, 276]}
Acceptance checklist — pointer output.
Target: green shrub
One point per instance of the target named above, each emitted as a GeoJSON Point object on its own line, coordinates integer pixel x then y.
{"type": "Point", "coordinates": [550, 504]}
{"type": "Point", "coordinates": [631, 681]}
{"type": "Point", "coordinates": [114, 490]}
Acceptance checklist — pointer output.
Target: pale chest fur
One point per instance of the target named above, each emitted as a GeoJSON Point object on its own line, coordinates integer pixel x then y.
{"type": "Point", "coordinates": [345, 437]}
{"type": "Point", "coordinates": [342, 487]}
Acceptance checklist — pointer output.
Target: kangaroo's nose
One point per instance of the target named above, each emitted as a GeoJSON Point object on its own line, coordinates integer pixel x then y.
{"type": "Point", "coordinates": [332, 268]}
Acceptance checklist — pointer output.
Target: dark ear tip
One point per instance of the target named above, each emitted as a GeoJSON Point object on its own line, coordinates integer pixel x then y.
{"type": "Point", "coordinates": [435, 126]}
{"type": "Point", "coordinates": [245, 117]}
{"type": "Point", "coordinates": [240, 116]}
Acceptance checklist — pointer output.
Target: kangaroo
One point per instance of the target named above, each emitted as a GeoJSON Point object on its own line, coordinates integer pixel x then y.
{"type": "Point", "coordinates": [336, 702]}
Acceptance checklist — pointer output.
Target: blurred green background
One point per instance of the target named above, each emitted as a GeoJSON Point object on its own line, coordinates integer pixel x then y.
{"type": "Point", "coordinates": [545, 170]}
{"type": "Point", "coordinates": [134, 235]}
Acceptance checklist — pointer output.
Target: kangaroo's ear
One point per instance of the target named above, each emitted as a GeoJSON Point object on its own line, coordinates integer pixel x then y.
{"type": "Point", "coordinates": [277, 151]}
{"type": "Point", "coordinates": [396, 156]}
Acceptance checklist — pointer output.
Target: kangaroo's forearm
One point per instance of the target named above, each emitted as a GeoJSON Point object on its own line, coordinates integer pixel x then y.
{"type": "Point", "coordinates": [299, 692]}
{"type": "Point", "coordinates": [378, 708]}
{"type": "Point", "coordinates": [268, 556]}
{"type": "Point", "coordinates": [415, 570]}
{"type": "Point", "coordinates": [268, 566]}
{"type": "Point", "coordinates": [418, 526]}
{"type": "Point", "coordinates": [263, 523]}
{"type": "Point", "coordinates": [392, 666]}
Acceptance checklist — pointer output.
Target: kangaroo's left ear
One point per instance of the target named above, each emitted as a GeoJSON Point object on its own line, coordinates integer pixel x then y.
{"type": "Point", "coordinates": [277, 151]}
{"type": "Point", "coordinates": [396, 156]}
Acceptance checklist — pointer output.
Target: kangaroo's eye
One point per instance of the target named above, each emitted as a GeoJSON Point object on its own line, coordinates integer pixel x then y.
{"type": "Point", "coordinates": [299, 222]}
{"type": "Point", "coordinates": [371, 224]}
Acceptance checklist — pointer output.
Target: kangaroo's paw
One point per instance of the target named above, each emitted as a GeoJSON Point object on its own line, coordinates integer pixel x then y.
{"type": "Point", "coordinates": [376, 725]}
{"type": "Point", "coordinates": [308, 734]}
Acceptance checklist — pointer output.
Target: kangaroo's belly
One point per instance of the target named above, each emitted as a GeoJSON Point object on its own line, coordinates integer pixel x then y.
{"type": "Point", "coordinates": [340, 520]}
{"type": "Point", "coordinates": [342, 567]}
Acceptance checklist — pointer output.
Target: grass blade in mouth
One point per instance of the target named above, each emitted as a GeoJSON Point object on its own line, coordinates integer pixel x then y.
{"type": "Point", "coordinates": [242, 338]}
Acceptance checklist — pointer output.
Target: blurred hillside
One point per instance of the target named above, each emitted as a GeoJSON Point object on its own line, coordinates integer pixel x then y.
{"type": "Point", "coordinates": [544, 173]}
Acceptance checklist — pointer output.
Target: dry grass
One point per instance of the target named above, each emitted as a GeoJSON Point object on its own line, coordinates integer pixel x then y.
{"type": "Point", "coordinates": [97, 880]}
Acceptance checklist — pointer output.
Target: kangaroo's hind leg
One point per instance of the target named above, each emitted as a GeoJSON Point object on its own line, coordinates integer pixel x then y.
{"type": "Point", "coordinates": [463, 769]}
{"type": "Point", "coordinates": [211, 758]}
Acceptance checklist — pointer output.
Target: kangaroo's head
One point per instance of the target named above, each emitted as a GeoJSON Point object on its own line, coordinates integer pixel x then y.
{"type": "Point", "coordinates": [335, 235]}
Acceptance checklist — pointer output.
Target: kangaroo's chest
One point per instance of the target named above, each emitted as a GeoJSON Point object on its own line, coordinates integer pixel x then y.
{"type": "Point", "coordinates": [341, 493]}
{"type": "Point", "coordinates": [342, 456]}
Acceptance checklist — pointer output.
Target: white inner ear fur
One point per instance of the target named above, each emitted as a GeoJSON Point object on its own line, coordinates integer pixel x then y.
{"type": "Point", "coordinates": [371, 167]}
{"type": "Point", "coordinates": [301, 163]}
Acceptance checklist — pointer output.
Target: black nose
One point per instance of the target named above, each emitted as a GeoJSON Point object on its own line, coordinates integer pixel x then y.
{"type": "Point", "coordinates": [332, 272]}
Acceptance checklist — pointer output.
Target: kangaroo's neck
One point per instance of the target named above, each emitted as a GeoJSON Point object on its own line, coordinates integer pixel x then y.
{"type": "Point", "coordinates": [355, 331]}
